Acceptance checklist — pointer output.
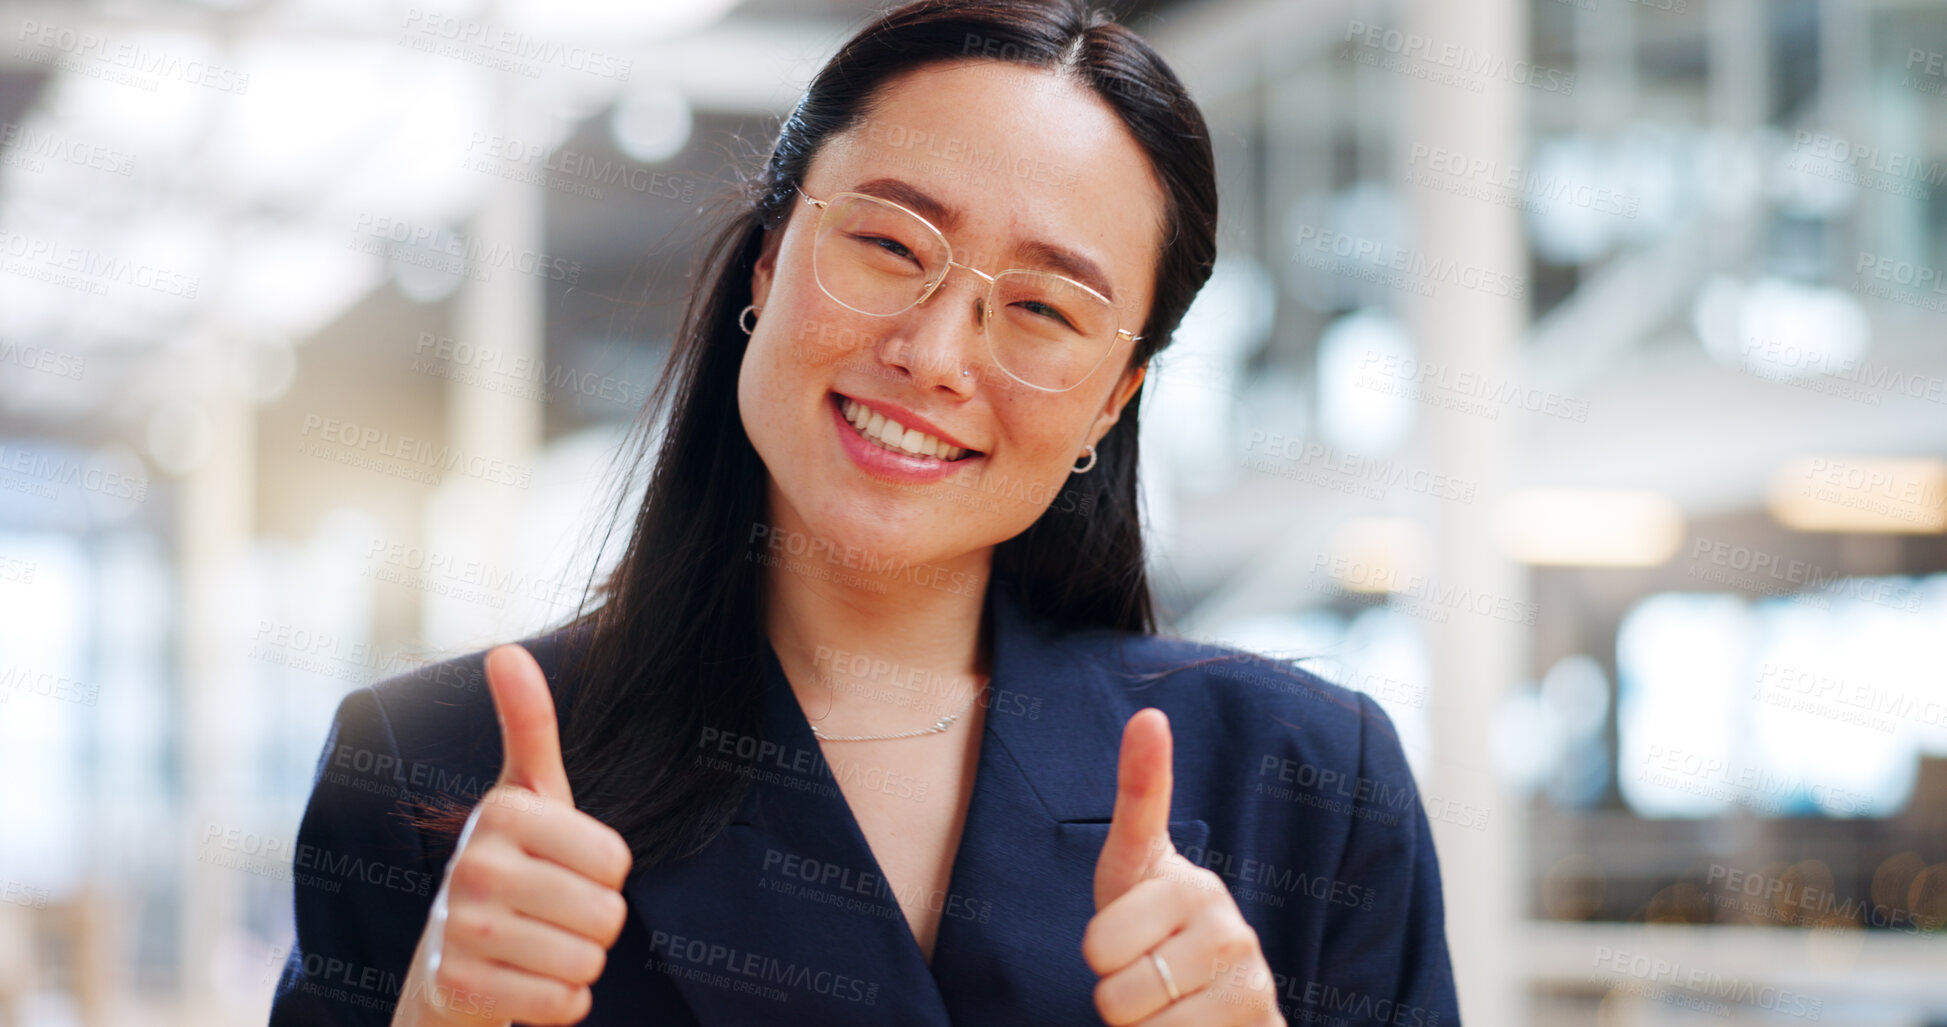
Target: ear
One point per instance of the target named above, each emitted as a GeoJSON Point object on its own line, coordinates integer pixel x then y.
{"type": "Point", "coordinates": [1125, 389]}
{"type": "Point", "coordinates": [765, 269]}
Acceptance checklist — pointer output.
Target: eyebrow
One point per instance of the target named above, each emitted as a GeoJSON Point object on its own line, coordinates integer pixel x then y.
{"type": "Point", "coordinates": [1063, 260]}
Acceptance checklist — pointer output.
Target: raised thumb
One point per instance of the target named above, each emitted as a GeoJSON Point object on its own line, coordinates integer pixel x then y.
{"type": "Point", "coordinates": [1139, 829]}
{"type": "Point", "coordinates": [530, 742]}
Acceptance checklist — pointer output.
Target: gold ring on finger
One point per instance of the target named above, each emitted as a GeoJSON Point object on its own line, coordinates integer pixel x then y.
{"type": "Point", "coordinates": [1163, 971]}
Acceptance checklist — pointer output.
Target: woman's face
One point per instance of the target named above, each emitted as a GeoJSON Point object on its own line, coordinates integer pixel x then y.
{"type": "Point", "coordinates": [1027, 170]}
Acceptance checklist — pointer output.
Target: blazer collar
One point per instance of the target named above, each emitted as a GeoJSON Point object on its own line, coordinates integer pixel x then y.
{"type": "Point", "coordinates": [1050, 709]}
{"type": "Point", "coordinates": [786, 917]}
{"type": "Point", "coordinates": [1050, 712]}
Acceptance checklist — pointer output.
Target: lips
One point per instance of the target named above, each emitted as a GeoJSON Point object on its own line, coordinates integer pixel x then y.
{"type": "Point", "coordinates": [875, 427]}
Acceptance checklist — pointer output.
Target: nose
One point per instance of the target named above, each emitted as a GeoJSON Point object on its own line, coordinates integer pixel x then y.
{"type": "Point", "coordinates": [939, 337]}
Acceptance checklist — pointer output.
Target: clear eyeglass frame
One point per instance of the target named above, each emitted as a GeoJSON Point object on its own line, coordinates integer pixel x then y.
{"type": "Point", "coordinates": [986, 303]}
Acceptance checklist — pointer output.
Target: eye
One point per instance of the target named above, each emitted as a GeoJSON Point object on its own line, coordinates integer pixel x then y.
{"type": "Point", "coordinates": [892, 246]}
{"type": "Point", "coordinates": [1045, 309]}
{"type": "Point", "coordinates": [895, 246]}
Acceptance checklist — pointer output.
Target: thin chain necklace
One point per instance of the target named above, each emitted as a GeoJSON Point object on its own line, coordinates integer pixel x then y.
{"type": "Point", "coordinates": [946, 721]}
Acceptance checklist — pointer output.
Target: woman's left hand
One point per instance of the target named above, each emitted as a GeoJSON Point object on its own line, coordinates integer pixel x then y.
{"type": "Point", "coordinates": [1161, 921]}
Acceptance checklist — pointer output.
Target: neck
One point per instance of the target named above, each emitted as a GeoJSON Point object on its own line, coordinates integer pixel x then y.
{"type": "Point", "coordinates": [866, 661]}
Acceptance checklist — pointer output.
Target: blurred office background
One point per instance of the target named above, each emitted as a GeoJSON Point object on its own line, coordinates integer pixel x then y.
{"type": "Point", "coordinates": [1573, 380]}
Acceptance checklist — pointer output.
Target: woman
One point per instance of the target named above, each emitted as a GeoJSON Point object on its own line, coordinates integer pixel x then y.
{"type": "Point", "coordinates": [862, 729]}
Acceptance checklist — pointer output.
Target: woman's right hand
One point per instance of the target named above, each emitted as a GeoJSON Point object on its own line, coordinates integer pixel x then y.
{"type": "Point", "coordinates": [532, 898]}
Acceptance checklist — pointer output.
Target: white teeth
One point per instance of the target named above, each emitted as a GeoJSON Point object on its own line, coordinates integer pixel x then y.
{"type": "Point", "coordinates": [890, 434]}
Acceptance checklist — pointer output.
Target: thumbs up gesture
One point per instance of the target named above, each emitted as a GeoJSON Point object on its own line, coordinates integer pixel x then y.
{"type": "Point", "coordinates": [532, 897]}
{"type": "Point", "coordinates": [1167, 939]}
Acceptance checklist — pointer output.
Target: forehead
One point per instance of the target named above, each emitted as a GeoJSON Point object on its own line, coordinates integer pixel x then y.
{"type": "Point", "coordinates": [1020, 155]}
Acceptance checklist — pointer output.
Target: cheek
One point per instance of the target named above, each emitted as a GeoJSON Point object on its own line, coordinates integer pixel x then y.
{"type": "Point", "coordinates": [809, 334]}
{"type": "Point", "coordinates": [1039, 435]}
{"type": "Point", "coordinates": [763, 392]}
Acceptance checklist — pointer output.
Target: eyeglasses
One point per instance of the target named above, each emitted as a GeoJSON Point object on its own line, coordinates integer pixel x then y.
{"type": "Point", "coordinates": [1044, 330]}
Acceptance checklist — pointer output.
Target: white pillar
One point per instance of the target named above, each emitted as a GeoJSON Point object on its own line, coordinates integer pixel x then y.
{"type": "Point", "coordinates": [475, 517]}
{"type": "Point", "coordinates": [1476, 658]}
{"type": "Point", "coordinates": [215, 520]}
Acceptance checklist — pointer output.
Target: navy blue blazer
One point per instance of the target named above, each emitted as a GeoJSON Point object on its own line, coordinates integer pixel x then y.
{"type": "Point", "coordinates": [1293, 790]}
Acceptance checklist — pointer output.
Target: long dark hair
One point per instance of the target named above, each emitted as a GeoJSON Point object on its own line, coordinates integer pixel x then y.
{"type": "Point", "coordinates": [676, 644]}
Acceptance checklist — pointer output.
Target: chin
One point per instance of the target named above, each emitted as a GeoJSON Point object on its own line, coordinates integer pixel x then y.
{"type": "Point", "coordinates": [880, 528]}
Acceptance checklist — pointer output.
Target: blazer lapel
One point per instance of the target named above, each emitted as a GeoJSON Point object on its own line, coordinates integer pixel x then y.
{"type": "Point", "coordinates": [784, 917]}
{"type": "Point", "coordinates": [1023, 880]}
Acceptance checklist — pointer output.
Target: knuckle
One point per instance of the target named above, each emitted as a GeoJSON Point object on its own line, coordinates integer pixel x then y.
{"type": "Point", "coordinates": [566, 1004]}
{"type": "Point", "coordinates": [455, 977]}
{"type": "Point", "coordinates": [1108, 1004]}
{"type": "Point", "coordinates": [477, 871]}
{"type": "Point", "coordinates": [1233, 948]}
{"type": "Point", "coordinates": [470, 926]}
{"type": "Point", "coordinates": [591, 962]}
{"type": "Point", "coordinates": [1236, 942]}
{"type": "Point", "coordinates": [614, 918]}
{"type": "Point", "coordinates": [470, 875]}
{"type": "Point", "coordinates": [1092, 953]}
{"type": "Point", "coordinates": [481, 928]}
{"type": "Point", "coordinates": [619, 860]}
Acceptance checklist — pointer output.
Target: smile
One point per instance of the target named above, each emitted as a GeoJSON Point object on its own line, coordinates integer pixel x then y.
{"type": "Point", "coordinates": [886, 433]}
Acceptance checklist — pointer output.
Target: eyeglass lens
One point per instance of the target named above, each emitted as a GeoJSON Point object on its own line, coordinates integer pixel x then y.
{"type": "Point", "coordinates": [879, 259]}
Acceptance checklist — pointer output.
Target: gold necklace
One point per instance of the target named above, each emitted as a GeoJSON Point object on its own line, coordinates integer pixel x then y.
{"type": "Point", "coordinates": [946, 721]}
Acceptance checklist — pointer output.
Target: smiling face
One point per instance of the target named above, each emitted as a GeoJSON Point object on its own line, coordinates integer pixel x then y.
{"type": "Point", "coordinates": [1018, 168]}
